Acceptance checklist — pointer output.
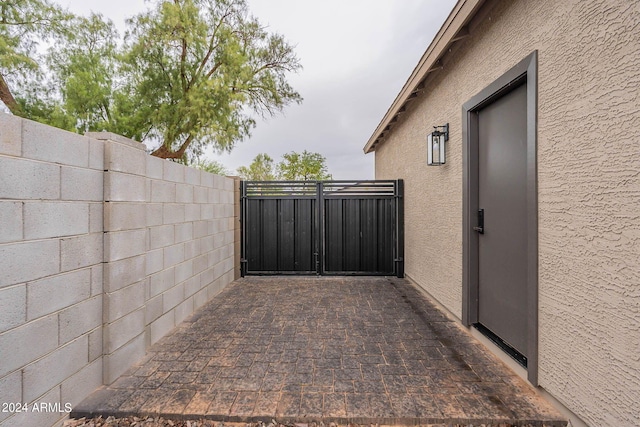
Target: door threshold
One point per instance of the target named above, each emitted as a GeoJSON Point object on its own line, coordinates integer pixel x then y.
{"type": "Point", "coordinates": [520, 358]}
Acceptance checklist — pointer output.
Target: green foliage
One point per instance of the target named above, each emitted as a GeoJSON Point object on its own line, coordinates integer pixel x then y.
{"type": "Point", "coordinates": [303, 167]}
{"type": "Point", "coordinates": [23, 23]}
{"type": "Point", "coordinates": [294, 166]}
{"type": "Point", "coordinates": [189, 74]}
{"type": "Point", "coordinates": [199, 68]}
{"type": "Point", "coordinates": [261, 169]}
{"type": "Point", "coordinates": [211, 166]}
{"type": "Point", "coordinates": [84, 69]}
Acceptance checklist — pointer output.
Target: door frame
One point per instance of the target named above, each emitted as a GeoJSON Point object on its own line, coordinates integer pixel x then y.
{"type": "Point", "coordinates": [526, 71]}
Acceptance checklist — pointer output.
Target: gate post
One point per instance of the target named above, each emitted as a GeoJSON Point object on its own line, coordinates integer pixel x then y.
{"type": "Point", "coordinates": [243, 227]}
{"type": "Point", "coordinates": [399, 197]}
{"type": "Point", "coordinates": [319, 229]}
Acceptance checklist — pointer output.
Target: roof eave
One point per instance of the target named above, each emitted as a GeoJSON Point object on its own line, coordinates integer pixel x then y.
{"type": "Point", "coordinates": [453, 29]}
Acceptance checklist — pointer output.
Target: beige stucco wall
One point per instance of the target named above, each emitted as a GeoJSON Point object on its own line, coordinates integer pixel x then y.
{"type": "Point", "coordinates": [588, 189]}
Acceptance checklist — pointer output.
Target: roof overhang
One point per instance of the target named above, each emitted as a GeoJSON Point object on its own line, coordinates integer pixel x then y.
{"type": "Point", "coordinates": [454, 29]}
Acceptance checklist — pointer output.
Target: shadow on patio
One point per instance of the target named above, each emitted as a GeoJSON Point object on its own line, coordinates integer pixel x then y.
{"type": "Point", "coordinates": [302, 349]}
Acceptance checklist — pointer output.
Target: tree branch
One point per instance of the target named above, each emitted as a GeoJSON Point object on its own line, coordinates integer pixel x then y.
{"type": "Point", "coordinates": [165, 152]}
{"type": "Point", "coordinates": [7, 97]}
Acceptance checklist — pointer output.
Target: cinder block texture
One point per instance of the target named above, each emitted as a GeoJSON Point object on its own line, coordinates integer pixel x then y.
{"type": "Point", "coordinates": [42, 336]}
{"type": "Point", "coordinates": [10, 391]}
{"type": "Point", "coordinates": [121, 331]}
{"type": "Point", "coordinates": [124, 244]}
{"type": "Point", "coordinates": [81, 251]}
{"type": "Point", "coordinates": [78, 319]}
{"type": "Point", "coordinates": [10, 136]}
{"type": "Point", "coordinates": [46, 296]}
{"type": "Point", "coordinates": [23, 261]}
{"type": "Point", "coordinates": [125, 187]}
{"type": "Point", "coordinates": [11, 220]}
{"type": "Point", "coordinates": [53, 145]}
{"type": "Point", "coordinates": [14, 307]}
{"type": "Point", "coordinates": [41, 376]}
{"type": "Point", "coordinates": [78, 386]}
{"type": "Point", "coordinates": [27, 180]}
{"type": "Point", "coordinates": [81, 184]}
{"type": "Point", "coordinates": [55, 219]}
{"type": "Point", "coordinates": [125, 157]}
{"type": "Point", "coordinates": [115, 364]}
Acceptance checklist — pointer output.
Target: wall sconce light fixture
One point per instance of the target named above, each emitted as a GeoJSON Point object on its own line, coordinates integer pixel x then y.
{"type": "Point", "coordinates": [436, 149]}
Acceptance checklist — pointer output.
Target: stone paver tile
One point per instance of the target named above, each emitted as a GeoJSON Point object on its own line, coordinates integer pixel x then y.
{"type": "Point", "coordinates": [323, 377]}
{"type": "Point", "coordinates": [334, 405]}
{"type": "Point", "coordinates": [178, 401]}
{"type": "Point", "coordinates": [369, 387]}
{"type": "Point", "coordinates": [272, 381]}
{"type": "Point", "coordinates": [472, 407]}
{"type": "Point", "coordinates": [166, 356]}
{"type": "Point", "coordinates": [244, 404]}
{"type": "Point", "coordinates": [281, 367]}
{"type": "Point", "coordinates": [288, 405]}
{"type": "Point", "coordinates": [221, 403]}
{"type": "Point", "coordinates": [224, 384]}
{"type": "Point", "coordinates": [448, 405]}
{"type": "Point", "coordinates": [173, 366]}
{"type": "Point", "coordinates": [311, 405]}
{"type": "Point", "coordinates": [136, 401]}
{"type": "Point", "coordinates": [371, 359]}
{"type": "Point", "coordinates": [404, 405]}
{"type": "Point", "coordinates": [266, 404]}
{"type": "Point", "coordinates": [245, 360]}
{"type": "Point", "coordinates": [147, 369]}
{"type": "Point", "coordinates": [322, 363]}
{"type": "Point", "coordinates": [128, 382]}
{"type": "Point", "coordinates": [198, 364]}
{"type": "Point", "coordinates": [200, 403]}
{"type": "Point", "coordinates": [394, 384]}
{"type": "Point", "coordinates": [347, 374]}
{"type": "Point", "coordinates": [304, 366]}
{"type": "Point", "coordinates": [155, 380]}
{"type": "Point", "coordinates": [258, 369]}
{"type": "Point", "coordinates": [182, 377]}
{"type": "Point", "coordinates": [393, 370]}
{"type": "Point", "coordinates": [380, 405]}
{"type": "Point", "coordinates": [341, 386]}
{"type": "Point", "coordinates": [207, 375]}
{"type": "Point", "coordinates": [357, 405]}
{"type": "Point", "coordinates": [426, 405]}
{"type": "Point", "coordinates": [156, 402]}
{"type": "Point", "coordinates": [246, 384]}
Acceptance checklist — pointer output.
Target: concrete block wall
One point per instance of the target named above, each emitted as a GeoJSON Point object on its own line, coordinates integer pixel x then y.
{"type": "Point", "coordinates": [51, 252]}
{"type": "Point", "coordinates": [168, 247]}
{"type": "Point", "coordinates": [103, 250]}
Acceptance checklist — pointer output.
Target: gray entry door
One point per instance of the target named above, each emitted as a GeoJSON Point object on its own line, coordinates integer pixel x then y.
{"type": "Point", "coordinates": [502, 249]}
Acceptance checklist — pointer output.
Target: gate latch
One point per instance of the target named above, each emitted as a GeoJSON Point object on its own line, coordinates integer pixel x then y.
{"type": "Point", "coordinates": [480, 227]}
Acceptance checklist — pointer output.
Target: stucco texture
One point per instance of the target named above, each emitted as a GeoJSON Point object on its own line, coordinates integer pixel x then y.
{"type": "Point", "coordinates": [588, 188]}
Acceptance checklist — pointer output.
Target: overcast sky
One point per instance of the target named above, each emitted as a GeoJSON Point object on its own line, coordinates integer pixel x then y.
{"type": "Point", "coordinates": [356, 55]}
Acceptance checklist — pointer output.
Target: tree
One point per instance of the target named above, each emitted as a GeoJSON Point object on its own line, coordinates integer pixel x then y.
{"type": "Point", "coordinates": [190, 73]}
{"type": "Point", "coordinates": [22, 24]}
{"type": "Point", "coordinates": [85, 68]}
{"type": "Point", "coordinates": [198, 68]}
{"type": "Point", "coordinates": [211, 166]}
{"type": "Point", "coordinates": [293, 167]}
{"type": "Point", "coordinates": [260, 169]}
{"type": "Point", "coordinates": [303, 167]}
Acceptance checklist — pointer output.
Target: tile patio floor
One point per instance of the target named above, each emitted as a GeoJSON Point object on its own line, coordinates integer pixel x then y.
{"type": "Point", "coordinates": [301, 349]}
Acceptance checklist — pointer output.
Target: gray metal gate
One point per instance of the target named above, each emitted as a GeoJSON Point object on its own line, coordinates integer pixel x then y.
{"type": "Point", "coordinates": [322, 227]}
